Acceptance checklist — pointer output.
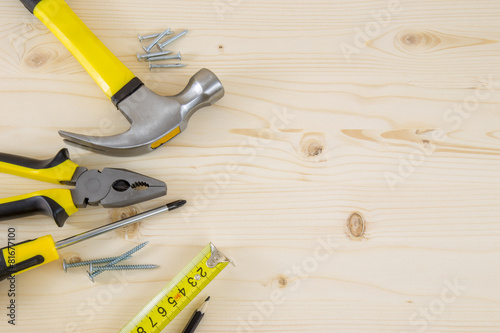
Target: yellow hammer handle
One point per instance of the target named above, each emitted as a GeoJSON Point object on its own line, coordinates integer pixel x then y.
{"type": "Point", "coordinates": [107, 71]}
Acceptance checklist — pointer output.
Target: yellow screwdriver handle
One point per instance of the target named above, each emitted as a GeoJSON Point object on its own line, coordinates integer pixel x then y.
{"type": "Point", "coordinates": [22, 257]}
{"type": "Point", "coordinates": [112, 76]}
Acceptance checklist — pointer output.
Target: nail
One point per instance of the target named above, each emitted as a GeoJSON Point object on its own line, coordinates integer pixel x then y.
{"type": "Point", "coordinates": [150, 55]}
{"type": "Point", "coordinates": [174, 57]}
{"type": "Point", "coordinates": [151, 66]}
{"type": "Point", "coordinates": [141, 38]}
{"type": "Point", "coordinates": [162, 45]}
{"type": "Point", "coordinates": [160, 36]}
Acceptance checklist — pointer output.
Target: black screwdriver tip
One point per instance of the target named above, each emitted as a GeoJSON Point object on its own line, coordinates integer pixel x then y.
{"type": "Point", "coordinates": [176, 204]}
{"type": "Point", "coordinates": [208, 299]}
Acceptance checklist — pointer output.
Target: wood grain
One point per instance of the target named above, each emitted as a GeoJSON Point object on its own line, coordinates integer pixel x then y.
{"type": "Point", "coordinates": [404, 132]}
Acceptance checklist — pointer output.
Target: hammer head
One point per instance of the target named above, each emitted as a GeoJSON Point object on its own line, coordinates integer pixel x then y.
{"type": "Point", "coordinates": [154, 119]}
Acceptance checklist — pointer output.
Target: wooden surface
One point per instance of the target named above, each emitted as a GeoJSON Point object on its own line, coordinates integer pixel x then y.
{"type": "Point", "coordinates": [404, 130]}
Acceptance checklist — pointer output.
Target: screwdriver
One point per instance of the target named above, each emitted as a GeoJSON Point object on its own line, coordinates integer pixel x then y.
{"type": "Point", "coordinates": [22, 257]}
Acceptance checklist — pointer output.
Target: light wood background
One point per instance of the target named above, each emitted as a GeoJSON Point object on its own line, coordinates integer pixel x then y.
{"type": "Point", "coordinates": [269, 197]}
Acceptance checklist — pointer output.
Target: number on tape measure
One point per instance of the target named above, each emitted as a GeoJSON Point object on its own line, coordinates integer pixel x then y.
{"type": "Point", "coordinates": [179, 292]}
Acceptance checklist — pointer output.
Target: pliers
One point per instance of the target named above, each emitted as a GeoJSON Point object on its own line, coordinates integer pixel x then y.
{"type": "Point", "coordinates": [109, 187]}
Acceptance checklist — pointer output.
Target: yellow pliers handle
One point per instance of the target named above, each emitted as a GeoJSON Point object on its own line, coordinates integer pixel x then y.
{"type": "Point", "coordinates": [57, 203]}
{"type": "Point", "coordinates": [112, 76]}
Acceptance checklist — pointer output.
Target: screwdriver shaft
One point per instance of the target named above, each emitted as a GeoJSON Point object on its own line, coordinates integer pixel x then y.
{"type": "Point", "coordinates": [115, 225]}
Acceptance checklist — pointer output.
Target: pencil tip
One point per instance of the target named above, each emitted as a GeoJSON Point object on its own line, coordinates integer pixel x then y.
{"type": "Point", "coordinates": [204, 306]}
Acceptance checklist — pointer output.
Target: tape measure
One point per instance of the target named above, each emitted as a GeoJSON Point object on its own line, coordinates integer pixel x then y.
{"type": "Point", "coordinates": [181, 290]}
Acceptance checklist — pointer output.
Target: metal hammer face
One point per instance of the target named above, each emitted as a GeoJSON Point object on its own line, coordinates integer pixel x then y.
{"type": "Point", "coordinates": [154, 119]}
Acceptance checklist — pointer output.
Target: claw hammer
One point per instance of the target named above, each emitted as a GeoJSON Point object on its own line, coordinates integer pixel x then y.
{"type": "Point", "coordinates": [154, 119]}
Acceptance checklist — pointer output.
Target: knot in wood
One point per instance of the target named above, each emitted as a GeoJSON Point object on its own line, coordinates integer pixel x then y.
{"type": "Point", "coordinates": [38, 58]}
{"type": "Point", "coordinates": [73, 258]}
{"type": "Point", "coordinates": [312, 146]}
{"type": "Point", "coordinates": [129, 231]}
{"type": "Point", "coordinates": [413, 40]}
{"type": "Point", "coordinates": [314, 149]}
{"type": "Point", "coordinates": [356, 226]}
{"type": "Point", "coordinates": [282, 281]}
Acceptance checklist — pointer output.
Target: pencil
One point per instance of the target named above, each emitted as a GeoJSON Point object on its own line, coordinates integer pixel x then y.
{"type": "Point", "coordinates": [196, 318]}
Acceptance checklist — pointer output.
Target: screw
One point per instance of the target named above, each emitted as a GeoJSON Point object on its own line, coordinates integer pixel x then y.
{"type": "Point", "coordinates": [162, 45]}
{"type": "Point", "coordinates": [157, 39]}
{"type": "Point", "coordinates": [87, 262]}
{"type": "Point", "coordinates": [174, 57]}
{"type": "Point", "coordinates": [141, 38]}
{"type": "Point", "coordinates": [93, 269]}
{"type": "Point", "coordinates": [151, 66]}
{"type": "Point", "coordinates": [150, 55]}
{"type": "Point", "coordinates": [100, 269]}
{"type": "Point", "coordinates": [91, 277]}
{"type": "Point", "coordinates": [117, 260]}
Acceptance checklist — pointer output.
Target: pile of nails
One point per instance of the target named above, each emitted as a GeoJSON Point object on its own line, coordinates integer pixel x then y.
{"type": "Point", "coordinates": [161, 55]}
{"type": "Point", "coordinates": [109, 264]}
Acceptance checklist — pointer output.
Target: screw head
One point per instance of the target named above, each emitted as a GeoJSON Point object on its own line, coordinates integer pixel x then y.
{"type": "Point", "coordinates": [65, 266]}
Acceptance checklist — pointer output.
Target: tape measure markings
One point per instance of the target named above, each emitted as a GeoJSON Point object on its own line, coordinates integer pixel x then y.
{"type": "Point", "coordinates": [179, 292]}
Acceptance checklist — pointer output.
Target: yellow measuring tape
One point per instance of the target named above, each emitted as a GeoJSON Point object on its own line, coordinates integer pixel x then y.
{"type": "Point", "coordinates": [181, 290]}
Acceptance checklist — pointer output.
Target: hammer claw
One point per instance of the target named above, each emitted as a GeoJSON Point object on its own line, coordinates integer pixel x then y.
{"type": "Point", "coordinates": [154, 119]}
{"type": "Point", "coordinates": [82, 141]}
{"type": "Point", "coordinates": [109, 145]}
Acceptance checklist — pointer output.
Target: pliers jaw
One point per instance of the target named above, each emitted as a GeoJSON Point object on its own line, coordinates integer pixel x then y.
{"type": "Point", "coordinates": [113, 188]}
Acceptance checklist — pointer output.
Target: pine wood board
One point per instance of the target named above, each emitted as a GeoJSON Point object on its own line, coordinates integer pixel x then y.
{"type": "Point", "coordinates": [393, 132]}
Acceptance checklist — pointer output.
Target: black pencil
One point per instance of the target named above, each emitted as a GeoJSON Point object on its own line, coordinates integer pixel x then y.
{"type": "Point", "coordinates": [196, 318]}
